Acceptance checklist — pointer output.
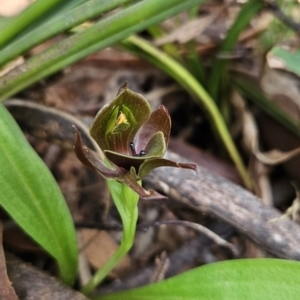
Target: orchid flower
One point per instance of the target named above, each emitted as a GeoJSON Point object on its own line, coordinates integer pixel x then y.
{"type": "Point", "coordinates": [132, 139]}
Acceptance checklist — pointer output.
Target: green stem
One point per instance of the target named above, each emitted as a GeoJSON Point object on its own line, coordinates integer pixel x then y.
{"type": "Point", "coordinates": [126, 201]}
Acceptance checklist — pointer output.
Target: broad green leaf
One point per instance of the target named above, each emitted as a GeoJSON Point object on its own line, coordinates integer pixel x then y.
{"type": "Point", "coordinates": [30, 195]}
{"type": "Point", "coordinates": [286, 60]}
{"type": "Point", "coordinates": [253, 279]}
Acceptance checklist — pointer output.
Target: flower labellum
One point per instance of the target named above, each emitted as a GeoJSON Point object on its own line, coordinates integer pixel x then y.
{"type": "Point", "coordinates": [132, 138]}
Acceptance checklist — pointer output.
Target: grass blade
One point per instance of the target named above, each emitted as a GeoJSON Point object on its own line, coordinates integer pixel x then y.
{"type": "Point", "coordinates": [29, 15]}
{"type": "Point", "coordinates": [55, 25]}
{"type": "Point", "coordinates": [104, 33]}
{"type": "Point", "coordinates": [218, 73]}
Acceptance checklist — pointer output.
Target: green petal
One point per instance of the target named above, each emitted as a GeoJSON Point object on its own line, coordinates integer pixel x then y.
{"type": "Point", "coordinates": [116, 124]}
{"type": "Point", "coordinates": [156, 162]}
{"type": "Point", "coordinates": [156, 145]}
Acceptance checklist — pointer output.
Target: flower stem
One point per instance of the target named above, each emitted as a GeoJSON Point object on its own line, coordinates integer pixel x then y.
{"type": "Point", "coordinates": [125, 200]}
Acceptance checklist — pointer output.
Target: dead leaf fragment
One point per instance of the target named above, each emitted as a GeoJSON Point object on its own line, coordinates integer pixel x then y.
{"type": "Point", "coordinates": [7, 292]}
{"type": "Point", "coordinates": [260, 159]}
{"type": "Point", "coordinates": [283, 89]}
{"type": "Point", "coordinates": [162, 264]}
{"type": "Point", "coordinates": [250, 136]}
{"type": "Point", "coordinates": [275, 157]}
{"type": "Point", "coordinates": [98, 247]}
{"type": "Point", "coordinates": [293, 211]}
{"type": "Point", "coordinates": [191, 29]}
{"type": "Point", "coordinates": [258, 171]}
{"type": "Point", "coordinates": [275, 62]}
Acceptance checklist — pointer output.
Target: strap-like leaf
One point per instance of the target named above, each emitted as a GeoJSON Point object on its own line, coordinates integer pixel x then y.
{"type": "Point", "coordinates": [29, 193]}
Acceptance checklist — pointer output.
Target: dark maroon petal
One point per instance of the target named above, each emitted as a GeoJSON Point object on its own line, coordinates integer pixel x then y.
{"type": "Point", "coordinates": [125, 161]}
{"type": "Point", "coordinates": [130, 179]}
{"type": "Point", "coordinates": [108, 129]}
{"type": "Point", "coordinates": [159, 120]}
{"type": "Point", "coordinates": [89, 158]}
{"type": "Point", "coordinates": [156, 162]}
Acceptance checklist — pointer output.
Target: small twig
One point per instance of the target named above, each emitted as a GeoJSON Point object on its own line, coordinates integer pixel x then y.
{"type": "Point", "coordinates": [162, 264]}
{"type": "Point", "coordinates": [213, 236]}
{"type": "Point", "coordinates": [145, 226]}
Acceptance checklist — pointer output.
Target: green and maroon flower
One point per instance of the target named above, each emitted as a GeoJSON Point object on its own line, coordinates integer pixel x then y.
{"type": "Point", "coordinates": [132, 139]}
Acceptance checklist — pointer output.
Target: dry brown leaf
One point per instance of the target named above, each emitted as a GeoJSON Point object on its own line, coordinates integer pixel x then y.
{"type": "Point", "coordinates": [7, 292]}
{"type": "Point", "coordinates": [258, 170]}
{"type": "Point", "coordinates": [251, 142]}
{"type": "Point", "coordinates": [162, 263]}
{"type": "Point", "coordinates": [293, 211]}
{"type": "Point", "coordinates": [98, 247]}
{"type": "Point", "coordinates": [275, 157]}
{"type": "Point", "coordinates": [191, 29]}
{"type": "Point", "coordinates": [250, 137]}
{"type": "Point", "coordinates": [283, 89]}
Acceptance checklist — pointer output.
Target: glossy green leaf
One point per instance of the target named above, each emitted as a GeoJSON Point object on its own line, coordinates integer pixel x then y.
{"type": "Point", "coordinates": [245, 279]}
{"type": "Point", "coordinates": [30, 195]}
{"type": "Point", "coordinates": [286, 60]}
